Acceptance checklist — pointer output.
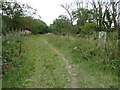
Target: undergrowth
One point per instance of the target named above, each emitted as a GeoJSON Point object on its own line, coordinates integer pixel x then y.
{"type": "Point", "coordinates": [16, 67]}
{"type": "Point", "coordinates": [84, 51]}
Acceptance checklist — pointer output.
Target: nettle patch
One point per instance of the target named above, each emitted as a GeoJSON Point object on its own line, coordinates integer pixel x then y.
{"type": "Point", "coordinates": [106, 56]}
{"type": "Point", "coordinates": [11, 51]}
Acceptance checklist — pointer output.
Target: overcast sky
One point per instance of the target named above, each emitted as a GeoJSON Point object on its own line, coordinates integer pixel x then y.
{"type": "Point", "coordinates": [49, 10]}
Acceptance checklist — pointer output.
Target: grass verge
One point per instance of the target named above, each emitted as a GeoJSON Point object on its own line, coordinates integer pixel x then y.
{"type": "Point", "coordinates": [93, 71]}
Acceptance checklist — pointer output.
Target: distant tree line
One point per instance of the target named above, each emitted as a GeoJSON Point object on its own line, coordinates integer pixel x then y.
{"type": "Point", "coordinates": [17, 16]}
{"type": "Point", "coordinates": [95, 15]}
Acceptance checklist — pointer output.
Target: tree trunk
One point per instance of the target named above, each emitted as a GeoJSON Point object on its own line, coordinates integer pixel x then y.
{"type": "Point", "coordinates": [114, 14]}
{"type": "Point", "coordinates": [67, 7]}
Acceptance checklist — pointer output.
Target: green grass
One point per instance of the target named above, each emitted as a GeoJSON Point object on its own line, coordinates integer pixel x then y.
{"type": "Point", "coordinates": [22, 67]}
{"type": "Point", "coordinates": [50, 71]}
{"type": "Point", "coordinates": [92, 71]}
{"type": "Point", "coordinates": [41, 67]}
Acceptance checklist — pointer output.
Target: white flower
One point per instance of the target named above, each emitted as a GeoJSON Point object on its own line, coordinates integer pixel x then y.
{"type": "Point", "coordinates": [75, 74]}
{"type": "Point", "coordinates": [8, 42]}
{"type": "Point", "coordinates": [70, 66]}
{"type": "Point", "coordinates": [75, 47]}
{"type": "Point", "coordinates": [28, 80]}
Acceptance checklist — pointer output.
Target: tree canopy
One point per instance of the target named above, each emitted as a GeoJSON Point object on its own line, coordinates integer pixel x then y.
{"type": "Point", "coordinates": [101, 13]}
{"type": "Point", "coordinates": [17, 16]}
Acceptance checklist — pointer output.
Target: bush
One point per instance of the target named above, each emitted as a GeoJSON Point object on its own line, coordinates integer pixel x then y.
{"type": "Point", "coordinates": [39, 27]}
{"type": "Point", "coordinates": [88, 27]}
{"type": "Point", "coordinates": [10, 50]}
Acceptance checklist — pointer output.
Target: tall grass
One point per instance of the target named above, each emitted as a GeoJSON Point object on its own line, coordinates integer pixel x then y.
{"type": "Point", "coordinates": [87, 48]}
{"type": "Point", "coordinates": [84, 52]}
{"type": "Point", "coordinates": [15, 65]}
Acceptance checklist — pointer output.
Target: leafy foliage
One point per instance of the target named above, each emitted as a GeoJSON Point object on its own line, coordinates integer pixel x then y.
{"type": "Point", "coordinates": [17, 67]}
{"type": "Point", "coordinates": [10, 51]}
{"type": "Point", "coordinates": [83, 53]}
{"type": "Point", "coordinates": [62, 24]}
{"type": "Point", "coordinates": [83, 16]}
{"type": "Point", "coordinates": [88, 28]}
{"type": "Point", "coordinates": [39, 27]}
{"type": "Point", "coordinates": [15, 16]}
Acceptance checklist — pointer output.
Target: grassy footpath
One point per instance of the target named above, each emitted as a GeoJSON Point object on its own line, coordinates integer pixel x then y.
{"type": "Point", "coordinates": [91, 73]}
{"type": "Point", "coordinates": [50, 71]}
{"type": "Point", "coordinates": [39, 67]}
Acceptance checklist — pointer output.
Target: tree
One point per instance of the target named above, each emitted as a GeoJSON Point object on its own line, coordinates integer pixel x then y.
{"type": "Point", "coordinates": [67, 7]}
{"type": "Point", "coordinates": [114, 12]}
{"type": "Point", "coordinates": [61, 24]}
{"type": "Point", "coordinates": [102, 18]}
{"type": "Point", "coordinates": [107, 19]}
{"type": "Point", "coordinates": [39, 27]}
{"type": "Point", "coordinates": [12, 10]}
{"type": "Point", "coordinates": [98, 12]}
{"type": "Point", "coordinates": [83, 15]}
{"type": "Point", "coordinates": [12, 15]}
{"type": "Point", "coordinates": [16, 9]}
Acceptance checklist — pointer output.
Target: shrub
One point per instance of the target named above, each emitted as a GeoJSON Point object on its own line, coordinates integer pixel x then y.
{"type": "Point", "coordinates": [88, 27]}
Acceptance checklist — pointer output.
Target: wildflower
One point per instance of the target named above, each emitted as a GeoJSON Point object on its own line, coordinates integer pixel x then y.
{"type": "Point", "coordinates": [28, 80]}
{"type": "Point", "coordinates": [75, 74]}
{"type": "Point", "coordinates": [75, 47]}
{"type": "Point", "coordinates": [70, 66]}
